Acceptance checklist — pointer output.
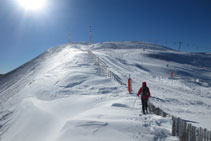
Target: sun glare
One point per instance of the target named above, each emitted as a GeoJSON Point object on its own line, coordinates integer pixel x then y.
{"type": "Point", "coordinates": [34, 5]}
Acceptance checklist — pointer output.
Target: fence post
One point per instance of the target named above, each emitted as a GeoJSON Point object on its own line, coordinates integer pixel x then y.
{"type": "Point", "coordinates": [200, 134]}
{"type": "Point", "coordinates": [197, 134]}
{"type": "Point", "coordinates": [204, 134]}
{"type": "Point", "coordinates": [161, 112]}
{"type": "Point", "coordinates": [184, 130]}
{"type": "Point", "coordinates": [210, 135]}
{"type": "Point", "coordinates": [180, 128]}
{"type": "Point", "coordinates": [193, 134]}
{"type": "Point", "coordinates": [166, 114]}
{"type": "Point", "coordinates": [176, 127]}
{"type": "Point", "coordinates": [173, 126]}
{"type": "Point", "coordinates": [189, 132]}
{"type": "Point", "coordinates": [157, 111]}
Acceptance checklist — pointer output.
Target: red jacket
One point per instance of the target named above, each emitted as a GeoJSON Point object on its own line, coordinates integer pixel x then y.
{"type": "Point", "coordinates": [144, 84]}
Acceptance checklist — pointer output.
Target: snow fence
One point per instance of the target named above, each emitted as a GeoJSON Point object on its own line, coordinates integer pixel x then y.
{"type": "Point", "coordinates": [180, 127]}
{"type": "Point", "coordinates": [106, 70]}
{"type": "Point", "coordinates": [185, 131]}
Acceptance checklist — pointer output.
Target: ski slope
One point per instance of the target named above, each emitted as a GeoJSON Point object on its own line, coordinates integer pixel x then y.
{"type": "Point", "coordinates": [63, 95]}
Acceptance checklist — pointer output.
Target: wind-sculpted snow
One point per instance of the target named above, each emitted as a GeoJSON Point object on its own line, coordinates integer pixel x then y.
{"type": "Point", "coordinates": [191, 81]}
{"type": "Point", "coordinates": [63, 94]}
{"type": "Point", "coordinates": [39, 98]}
{"type": "Point", "coordinates": [14, 81]}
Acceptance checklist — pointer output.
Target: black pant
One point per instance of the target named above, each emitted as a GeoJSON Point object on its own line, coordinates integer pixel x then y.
{"type": "Point", "coordinates": [144, 105]}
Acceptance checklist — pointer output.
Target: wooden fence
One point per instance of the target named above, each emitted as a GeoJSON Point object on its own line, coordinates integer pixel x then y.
{"type": "Point", "coordinates": [156, 110]}
{"type": "Point", "coordinates": [181, 128]}
{"type": "Point", "coordinates": [105, 69]}
{"type": "Point", "coordinates": [185, 131]}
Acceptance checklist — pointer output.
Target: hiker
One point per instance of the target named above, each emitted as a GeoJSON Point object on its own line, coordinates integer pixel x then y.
{"type": "Point", "coordinates": [145, 94]}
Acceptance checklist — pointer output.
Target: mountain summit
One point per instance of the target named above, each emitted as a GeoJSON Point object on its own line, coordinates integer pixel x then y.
{"type": "Point", "coordinates": [63, 94]}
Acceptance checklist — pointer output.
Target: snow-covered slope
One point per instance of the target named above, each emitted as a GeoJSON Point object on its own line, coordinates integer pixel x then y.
{"type": "Point", "coordinates": [187, 95]}
{"type": "Point", "coordinates": [63, 95]}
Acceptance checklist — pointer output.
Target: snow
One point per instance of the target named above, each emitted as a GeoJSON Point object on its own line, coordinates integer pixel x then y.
{"type": "Point", "coordinates": [187, 95]}
{"type": "Point", "coordinates": [63, 95]}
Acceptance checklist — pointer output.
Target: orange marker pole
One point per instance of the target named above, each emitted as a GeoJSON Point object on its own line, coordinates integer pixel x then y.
{"type": "Point", "coordinates": [172, 74]}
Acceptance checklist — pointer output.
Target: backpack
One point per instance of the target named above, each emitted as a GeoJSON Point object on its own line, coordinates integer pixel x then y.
{"type": "Point", "coordinates": [144, 91]}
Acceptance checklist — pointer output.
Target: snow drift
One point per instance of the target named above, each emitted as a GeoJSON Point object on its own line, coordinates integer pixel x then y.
{"type": "Point", "coordinates": [63, 95]}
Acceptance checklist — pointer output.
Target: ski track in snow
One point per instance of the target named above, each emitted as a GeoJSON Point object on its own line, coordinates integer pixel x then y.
{"type": "Point", "coordinates": [63, 95]}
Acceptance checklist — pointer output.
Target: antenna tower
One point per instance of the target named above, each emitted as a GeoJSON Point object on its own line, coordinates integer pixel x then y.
{"type": "Point", "coordinates": [90, 35]}
{"type": "Point", "coordinates": [180, 44]}
{"type": "Point", "coordinates": [69, 41]}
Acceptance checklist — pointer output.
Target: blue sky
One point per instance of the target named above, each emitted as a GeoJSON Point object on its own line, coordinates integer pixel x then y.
{"type": "Point", "coordinates": [26, 34]}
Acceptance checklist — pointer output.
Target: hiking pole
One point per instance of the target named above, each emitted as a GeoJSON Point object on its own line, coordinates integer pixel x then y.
{"type": "Point", "coordinates": [134, 102]}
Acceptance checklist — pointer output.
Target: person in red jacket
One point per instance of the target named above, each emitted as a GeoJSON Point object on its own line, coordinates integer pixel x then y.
{"type": "Point", "coordinates": [145, 94]}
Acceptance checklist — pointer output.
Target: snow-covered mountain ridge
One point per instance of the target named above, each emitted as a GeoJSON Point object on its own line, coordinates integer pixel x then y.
{"type": "Point", "coordinates": [186, 95]}
{"type": "Point", "coordinates": [63, 95]}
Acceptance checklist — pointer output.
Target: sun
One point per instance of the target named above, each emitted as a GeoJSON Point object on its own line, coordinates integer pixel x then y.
{"type": "Point", "coordinates": [34, 5]}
